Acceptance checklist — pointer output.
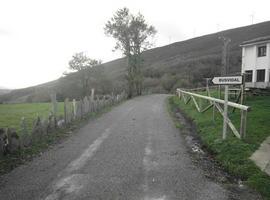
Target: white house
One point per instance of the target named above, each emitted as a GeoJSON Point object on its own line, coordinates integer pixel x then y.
{"type": "Point", "coordinates": [256, 62]}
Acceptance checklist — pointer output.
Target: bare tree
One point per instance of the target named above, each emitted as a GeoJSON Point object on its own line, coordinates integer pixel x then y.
{"type": "Point", "coordinates": [132, 35]}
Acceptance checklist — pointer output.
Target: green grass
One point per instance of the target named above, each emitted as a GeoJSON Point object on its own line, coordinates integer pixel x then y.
{"type": "Point", "coordinates": [10, 161]}
{"type": "Point", "coordinates": [11, 114]}
{"type": "Point", "coordinates": [179, 125]}
{"type": "Point", "coordinates": [233, 154]}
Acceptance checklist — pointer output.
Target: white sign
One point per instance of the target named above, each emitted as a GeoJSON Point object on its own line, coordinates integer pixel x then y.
{"type": "Point", "coordinates": [228, 80]}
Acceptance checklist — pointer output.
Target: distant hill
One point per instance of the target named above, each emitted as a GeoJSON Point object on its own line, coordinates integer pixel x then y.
{"type": "Point", "coordinates": [39, 93]}
{"type": "Point", "coordinates": [181, 64]}
{"type": "Point", "coordinates": [4, 90]}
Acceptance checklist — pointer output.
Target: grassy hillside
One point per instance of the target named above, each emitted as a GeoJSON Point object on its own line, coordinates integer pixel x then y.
{"type": "Point", "coordinates": [195, 49]}
{"type": "Point", "coordinates": [181, 64]}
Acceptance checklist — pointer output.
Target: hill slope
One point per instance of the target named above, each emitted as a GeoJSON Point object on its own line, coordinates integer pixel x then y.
{"type": "Point", "coordinates": [4, 91]}
{"type": "Point", "coordinates": [181, 64]}
{"type": "Point", "coordinates": [196, 48]}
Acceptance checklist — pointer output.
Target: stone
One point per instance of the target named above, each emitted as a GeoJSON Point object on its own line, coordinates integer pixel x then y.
{"type": "Point", "coordinates": [261, 157]}
{"type": "Point", "coordinates": [24, 136]}
{"type": "Point", "coordinates": [94, 106]}
{"type": "Point", "coordinates": [38, 130]}
{"type": "Point", "coordinates": [54, 104]}
{"type": "Point", "coordinates": [14, 143]}
{"type": "Point", "coordinates": [68, 111]}
{"type": "Point", "coordinates": [26, 140]}
{"type": "Point", "coordinates": [74, 106]}
{"type": "Point", "coordinates": [85, 105]}
{"type": "Point", "coordinates": [92, 94]}
{"type": "Point", "coordinates": [44, 125]}
{"type": "Point", "coordinates": [3, 142]}
{"type": "Point", "coordinates": [80, 109]}
{"type": "Point", "coordinates": [61, 123]}
{"type": "Point", "coordinates": [50, 124]}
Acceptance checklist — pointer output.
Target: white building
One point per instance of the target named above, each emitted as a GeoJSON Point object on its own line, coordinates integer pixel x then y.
{"type": "Point", "coordinates": [256, 62]}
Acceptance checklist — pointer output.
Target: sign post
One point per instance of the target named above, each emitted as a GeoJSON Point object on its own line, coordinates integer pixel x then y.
{"type": "Point", "coordinates": [226, 80]}
{"type": "Point", "coordinates": [224, 133]}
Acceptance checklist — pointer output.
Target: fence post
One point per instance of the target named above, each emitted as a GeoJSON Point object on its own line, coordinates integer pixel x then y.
{"type": "Point", "coordinates": [81, 108]}
{"type": "Point", "coordinates": [219, 91]}
{"type": "Point", "coordinates": [66, 104]}
{"type": "Point", "coordinates": [224, 135]}
{"type": "Point", "coordinates": [243, 123]}
{"type": "Point", "coordinates": [54, 103]}
{"type": "Point", "coordinates": [92, 94]}
{"type": "Point", "coordinates": [243, 89]}
{"type": "Point", "coordinates": [54, 108]}
{"type": "Point", "coordinates": [74, 108]}
{"type": "Point", "coordinates": [214, 111]}
{"type": "Point", "coordinates": [85, 105]}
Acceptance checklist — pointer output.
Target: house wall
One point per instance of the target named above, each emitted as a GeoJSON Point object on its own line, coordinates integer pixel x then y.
{"type": "Point", "coordinates": [249, 58]}
{"type": "Point", "coordinates": [250, 61]}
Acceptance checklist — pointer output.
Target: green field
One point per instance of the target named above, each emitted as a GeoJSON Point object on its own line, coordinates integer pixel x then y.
{"type": "Point", "coordinates": [11, 114]}
{"type": "Point", "coordinates": [232, 153]}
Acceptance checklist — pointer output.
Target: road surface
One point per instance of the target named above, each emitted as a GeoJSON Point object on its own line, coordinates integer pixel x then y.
{"type": "Point", "coordinates": [133, 152]}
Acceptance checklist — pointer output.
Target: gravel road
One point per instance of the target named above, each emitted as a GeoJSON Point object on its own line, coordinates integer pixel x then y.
{"type": "Point", "coordinates": [132, 152]}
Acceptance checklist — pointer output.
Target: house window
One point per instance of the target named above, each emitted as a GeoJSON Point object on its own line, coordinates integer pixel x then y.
{"type": "Point", "coordinates": [262, 51]}
{"type": "Point", "coordinates": [248, 75]}
{"type": "Point", "coordinates": [260, 75]}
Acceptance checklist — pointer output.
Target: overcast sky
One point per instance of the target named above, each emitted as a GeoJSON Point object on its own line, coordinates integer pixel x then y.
{"type": "Point", "coordinates": [39, 37]}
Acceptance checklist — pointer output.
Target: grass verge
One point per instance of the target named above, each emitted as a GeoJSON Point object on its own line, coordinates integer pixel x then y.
{"type": "Point", "coordinates": [233, 154]}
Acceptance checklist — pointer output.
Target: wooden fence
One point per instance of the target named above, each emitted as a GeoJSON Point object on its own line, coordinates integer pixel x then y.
{"type": "Point", "coordinates": [11, 141]}
{"type": "Point", "coordinates": [216, 104]}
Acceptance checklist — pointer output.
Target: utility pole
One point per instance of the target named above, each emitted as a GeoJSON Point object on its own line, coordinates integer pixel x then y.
{"type": "Point", "coordinates": [225, 55]}
{"type": "Point", "coordinates": [217, 26]}
{"type": "Point", "coordinates": [224, 72]}
{"type": "Point", "coordinates": [252, 18]}
{"type": "Point", "coordinates": [194, 32]}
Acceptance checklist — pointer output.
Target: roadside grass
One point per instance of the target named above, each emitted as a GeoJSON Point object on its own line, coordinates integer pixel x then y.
{"type": "Point", "coordinates": [11, 161]}
{"type": "Point", "coordinates": [233, 154]}
{"type": "Point", "coordinates": [11, 114]}
{"type": "Point", "coordinates": [179, 125]}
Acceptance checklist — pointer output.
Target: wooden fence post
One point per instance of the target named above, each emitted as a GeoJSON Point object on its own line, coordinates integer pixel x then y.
{"type": "Point", "coordinates": [242, 98]}
{"type": "Point", "coordinates": [219, 91]}
{"type": "Point", "coordinates": [224, 112]}
{"type": "Point", "coordinates": [213, 114]}
{"type": "Point", "coordinates": [243, 123]}
{"type": "Point", "coordinates": [224, 134]}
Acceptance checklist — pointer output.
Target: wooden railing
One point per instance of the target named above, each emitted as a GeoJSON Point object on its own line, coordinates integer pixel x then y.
{"type": "Point", "coordinates": [216, 104]}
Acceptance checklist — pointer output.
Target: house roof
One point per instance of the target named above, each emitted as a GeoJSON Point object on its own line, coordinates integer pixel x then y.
{"type": "Point", "coordinates": [256, 41]}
